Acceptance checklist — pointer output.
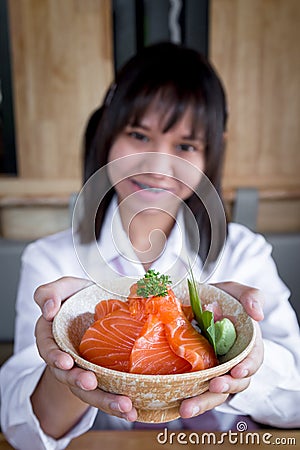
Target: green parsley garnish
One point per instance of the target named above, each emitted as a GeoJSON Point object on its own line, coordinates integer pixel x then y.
{"type": "Point", "coordinates": [153, 284]}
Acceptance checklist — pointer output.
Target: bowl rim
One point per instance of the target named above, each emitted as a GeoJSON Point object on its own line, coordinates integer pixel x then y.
{"type": "Point", "coordinates": [157, 378]}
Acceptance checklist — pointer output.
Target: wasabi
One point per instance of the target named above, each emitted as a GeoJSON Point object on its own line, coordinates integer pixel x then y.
{"type": "Point", "coordinates": [225, 336]}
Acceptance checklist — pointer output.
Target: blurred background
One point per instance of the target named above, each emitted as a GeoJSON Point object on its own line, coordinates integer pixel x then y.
{"type": "Point", "coordinates": [57, 58]}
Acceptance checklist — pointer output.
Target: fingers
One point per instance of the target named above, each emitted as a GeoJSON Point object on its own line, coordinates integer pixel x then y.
{"type": "Point", "coordinates": [228, 385]}
{"type": "Point", "coordinates": [221, 387]}
{"type": "Point", "coordinates": [200, 404]}
{"type": "Point", "coordinates": [113, 404]}
{"type": "Point", "coordinates": [83, 384]}
{"type": "Point", "coordinates": [76, 377]}
{"type": "Point", "coordinates": [253, 361]}
{"type": "Point", "coordinates": [219, 390]}
{"type": "Point", "coordinates": [48, 348]}
{"type": "Point", "coordinates": [49, 296]}
{"type": "Point", "coordinates": [239, 380]}
{"type": "Point", "coordinates": [252, 299]}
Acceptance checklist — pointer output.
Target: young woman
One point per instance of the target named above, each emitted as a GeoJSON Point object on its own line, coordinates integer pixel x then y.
{"type": "Point", "coordinates": [153, 162]}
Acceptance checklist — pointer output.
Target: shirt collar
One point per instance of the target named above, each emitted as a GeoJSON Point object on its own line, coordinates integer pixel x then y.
{"type": "Point", "coordinates": [114, 256]}
{"type": "Point", "coordinates": [115, 244]}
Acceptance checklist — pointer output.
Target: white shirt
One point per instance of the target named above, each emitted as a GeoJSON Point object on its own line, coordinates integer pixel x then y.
{"type": "Point", "coordinates": [273, 396]}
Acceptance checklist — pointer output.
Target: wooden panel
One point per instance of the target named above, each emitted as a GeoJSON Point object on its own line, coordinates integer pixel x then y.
{"type": "Point", "coordinates": [255, 47]}
{"type": "Point", "coordinates": [36, 188]}
{"type": "Point", "coordinates": [36, 221]}
{"type": "Point", "coordinates": [62, 62]}
{"type": "Point", "coordinates": [274, 216]}
{"type": "Point", "coordinates": [279, 216]}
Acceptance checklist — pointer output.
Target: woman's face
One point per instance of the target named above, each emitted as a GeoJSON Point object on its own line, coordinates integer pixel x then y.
{"type": "Point", "coordinates": [156, 168]}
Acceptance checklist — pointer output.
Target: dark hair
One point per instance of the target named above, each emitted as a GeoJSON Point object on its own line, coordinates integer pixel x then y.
{"type": "Point", "coordinates": [180, 78]}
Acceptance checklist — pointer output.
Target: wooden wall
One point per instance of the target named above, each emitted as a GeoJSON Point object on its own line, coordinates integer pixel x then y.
{"type": "Point", "coordinates": [255, 47]}
{"type": "Point", "coordinates": [254, 44]}
{"type": "Point", "coordinates": [62, 63]}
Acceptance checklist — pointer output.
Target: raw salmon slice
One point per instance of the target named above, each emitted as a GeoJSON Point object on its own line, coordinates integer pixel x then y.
{"type": "Point", "coordinates": [109, 341]}
{"type": "Point", "coordinates": [146, 335]}
{"type": "Point", "coordinates": [188, 312]}
{"type": "Point", "coordinates": [137, 307]}
{"type": "Point", "coordinates": [187, 343]}
{"type": "Point", "coordinates": [141, 307]}
{"type": "Point", "coordinates": [107, 306]}
{"type": "Point", "coordinates": [183, 339]}
{"type": "Point", "coordinates": [151, 352]}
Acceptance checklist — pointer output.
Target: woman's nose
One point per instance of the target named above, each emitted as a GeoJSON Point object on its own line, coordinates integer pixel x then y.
{"type": "Point", "coordinates": [159, 163]}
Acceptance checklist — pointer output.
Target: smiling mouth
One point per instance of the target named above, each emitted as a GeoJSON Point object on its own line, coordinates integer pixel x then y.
{"type": "Point", "coordinates": [146, 187]}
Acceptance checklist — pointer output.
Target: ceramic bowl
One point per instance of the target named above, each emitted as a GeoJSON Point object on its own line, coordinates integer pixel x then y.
{"type": "Point", "coordinates": [157, 398]}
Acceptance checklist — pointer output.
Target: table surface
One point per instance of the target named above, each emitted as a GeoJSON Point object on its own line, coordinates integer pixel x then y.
{"type": "Point", "coordinates": [159, 439]}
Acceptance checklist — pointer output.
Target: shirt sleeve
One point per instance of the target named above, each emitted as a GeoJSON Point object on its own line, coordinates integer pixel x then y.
{"type": "Point", "coordinates": [273, 396]}
{"type": "Point", "coordinates": [18, 379]}
{"type": "Point", "coordinates": [21, 373]}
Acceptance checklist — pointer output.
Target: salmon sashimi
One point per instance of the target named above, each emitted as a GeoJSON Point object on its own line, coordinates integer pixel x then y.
{"type": "Point", "coordinates": [140, 308]}
{"type": "Point", "coordinates": [137, 304]}
{"type": "Point", "coordinates": [109, 341]}
{"type": "Point", "coordinates": [183, 339]}
{"type": "Point", "coordinates": [187, 343]}
{"type": "Point", "coordinates": [188, 312]}
{"type": "Point", "coordinates": [107, 306]}
{"type": "Point", "coordinates": [167, 307]}
{"type": "Point", "coordinates": [133, 291]}
{"type": "Point", "coordinates": [137, 307]}
{"type": "Point", "coordinates": [152, 354]}
{"type": "Point", "coordinates": [150, 334]}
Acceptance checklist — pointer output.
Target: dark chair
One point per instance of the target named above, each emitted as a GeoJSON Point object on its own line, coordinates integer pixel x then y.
{"type": "Point", "coordinates": [286, 246]}
{"type": "Point", "coordinates": [10, 262]}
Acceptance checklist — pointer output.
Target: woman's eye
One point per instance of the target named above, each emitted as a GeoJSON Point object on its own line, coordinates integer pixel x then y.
{"type": "Point", "coordinates": [139, 136]}
{"type": "Point", "coordinates": [186, 147]}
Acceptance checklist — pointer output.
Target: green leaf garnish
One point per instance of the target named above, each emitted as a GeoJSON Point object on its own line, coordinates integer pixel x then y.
{"type": "Point", "coordinates": [153, 284]}
{"type": "Point", "coordinates": [205, 319]}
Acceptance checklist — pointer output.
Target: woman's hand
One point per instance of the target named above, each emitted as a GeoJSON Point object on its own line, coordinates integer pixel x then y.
{"type": "Point", "coordinates": [239, 378]}
{"type": "Point", "coordinates": [83, 383]}
{"type": "Point", "coordinates": [60, 366]}
{"type": "Point", "coordinates": [49, 298]}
